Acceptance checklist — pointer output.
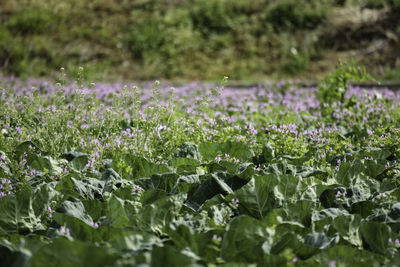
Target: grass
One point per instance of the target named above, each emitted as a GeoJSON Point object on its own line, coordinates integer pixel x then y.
{"type": "Point", "coordinates": [203, 40]}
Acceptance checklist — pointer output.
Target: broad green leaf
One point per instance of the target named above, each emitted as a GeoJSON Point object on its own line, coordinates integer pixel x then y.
{"type": "Point", "coordinates": [237, 150]}
{"type": "Point", "coordinates": [343, 255]}
{"type": "Point", "coordinates": [188, 150]}
{"type": "Point", "coordinates": [257, 197]}
{"type": "Point", "coordinates": [373, 168]}
{"type": "Point", "coordinates": [140, 166]}
{"type": "Point", "coordinates": [301, 211]}
{"type": "Point", "coordinates": [375, 236]}
{"type": "Point", "coordinates": [209, 188]}
{"type": "Point", "coordinates": [115, 214]}
{"type": "Point", "coordinates": [133, 240]}
{"type": "Point", "coordinates": [65, 253]}
{"type": "Point", "coordinates": [73, 154]}
{"type": "Point", "coordinates": [156, 216]}
{"type": "Point", "coordinates": [286, 191]}
{"type": "Point", "coordinates": [83, 187]}
{"type": "Point", "coordinates": [376, 153]}
{"type": "Point", "coordinates": [363, 208]}
{"type": "Point", "coordinates": [321, 241]}
{"type": "Point", "coordinates": [46, 164]}
{"type": "Point", "coordinates": [349, 172]}
{"type": "Point", "coordinates": [17, 213]}
{"type": "Point", "coordinates": [244, 241]}
{"type": "Point", "coordinates": [202, 244]}
{"type": "Point", "coordinates": [176, 162]}
{"type": "Point", "coordinates": [79, 162]}
{"type": "Point", "coordinates": [74, 208]}
{"type": "Point", "coordinates": [5, 170]}
{"type": "Point", "coordinates": [79, 229]}
{"type": "Point", "coordinates": [169, 256]}
{"type": "Point", "coordinates": [347, 227]}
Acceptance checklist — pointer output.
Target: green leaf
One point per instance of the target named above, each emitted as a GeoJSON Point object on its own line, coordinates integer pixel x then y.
{"type": "Point", "coordinates": [349, 172]}
{"type": "Point", "coordinates": [169, 256]}
{"type": "Point", "coordinates": [17, 213]}
{"type": "Point", "coordinates": [79, 162]}
{"type": "Point", "coordinates": [140, 166]}
{"type": "Point", "coordinates": [115, 214]}
{"type": "Point", "coordinates": [84, 188]}
{"type": "Point", "coordinates": [245, 240]}
{"type": "Point", "coordinates": [159, 214]}
{"type": "Point", "coordinates": [321, 241]}
{"type": "Point", "coordinates": [5, 170]}
{"type": "Point", "coordinates": [287, 188]}
{"type": "Point", "coordinates": [375, 236]}
{"type": "Point", "coordinates": [65, 253]}
{"type": "Point", "coordinates": [200, 243]}
{"type": "Point", "coordinates": [16, 250]}
{"type": "Point", "coordinates": [188, 150]}
{"type": "Point", "coordinates": [343, 255]}
{"type": "Point", "coordinates": [75, 208]}
{"type": "Point", "coordinates": [257, 198]}
{"type": "Point", "coordinates": [347, 227]}
{"type": "Point", "coordinates": [46, 164]}
{"type": "Point", "coordinates": [72, 155]}
{"type": "Point", "coordinates": [209, 188]}
{"type": "Point", "coordinates": [237, 150]}
{"type": "Point", "coordinates": [133, 240]}
{"type": "Point", "coordinates": [373, 168]}
{"type": "Point", "coordinates": [301, 212]}
{"type": "Point", "coordinates": [78, 229]}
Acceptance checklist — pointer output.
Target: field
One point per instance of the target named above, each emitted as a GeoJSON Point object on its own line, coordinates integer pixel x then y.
{"type": "Point", "coordinates": [109, 174]}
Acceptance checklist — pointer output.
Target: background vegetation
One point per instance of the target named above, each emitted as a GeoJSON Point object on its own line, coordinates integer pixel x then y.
{"type": "Point", "coordinates": [198, 39]}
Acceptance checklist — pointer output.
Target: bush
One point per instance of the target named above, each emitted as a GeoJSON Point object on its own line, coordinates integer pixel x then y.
{"type": "Point", "coordinates": [212, 16]}
{"type": "Point", "coordinates": [31, 21]}
{"type": "Point", "coordinates": [296, 62]}
{"type": "Point", "coordinates": [289, 15]}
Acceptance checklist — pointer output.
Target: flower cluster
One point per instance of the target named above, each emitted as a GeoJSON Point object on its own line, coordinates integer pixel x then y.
{"type": "Point", "coordinates": [5, 187]}
{"type": "Point", "coordinates": [341, 195]}
{"type": "Point", "coordinates": [49, 212]}
{"type": "Point", "coordinates": [226, 157]}
{"type": "Point", "coordinates": [94, 225]}
{"type": "Point", "coordinates": [65, 231]}
{"type": "Point", "coordinates": [137, 190]}
{"type": "Point", "coordinates": [382, 196]}
{"type": "Point", "coordinates": [235, 202]}
{"type": "Point", "coordinates": [217, 238]}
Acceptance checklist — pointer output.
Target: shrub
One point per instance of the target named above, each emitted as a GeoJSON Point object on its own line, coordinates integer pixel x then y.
{"type": "Point", "coordinates": [31, 21]}
{"type": "Point", "coordinates": [288, 15]}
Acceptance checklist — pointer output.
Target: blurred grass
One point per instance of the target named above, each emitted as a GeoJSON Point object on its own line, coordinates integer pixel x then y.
{"type": "Point", "coordinates": [175, 39]}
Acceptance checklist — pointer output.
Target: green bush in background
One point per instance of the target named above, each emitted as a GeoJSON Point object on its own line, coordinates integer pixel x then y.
{"type": "Point", "coordinates": [147, 39]}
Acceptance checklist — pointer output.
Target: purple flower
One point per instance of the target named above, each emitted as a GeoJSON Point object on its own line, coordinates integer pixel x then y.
{"type": "Point", "coordinates": [50, 211]}
{"type": "Point", "coordinates": [137, 189]}
{"type": "Point", "coordinates": [217, 238]}
{"type": "Point", "coordinates": [65, 231]}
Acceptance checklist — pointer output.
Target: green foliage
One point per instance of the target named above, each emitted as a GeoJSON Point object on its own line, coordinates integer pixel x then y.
{"type": "Point", "coordinates": [190, 39]}
{"type": "Point", "coordinates": [90, 176]}
{"type": "Point", "coordinates": [334, 86]}
{"type": "Point", "coordinates": [289, 15]}
{"type": "Point", "coordinates": [31, 21]}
